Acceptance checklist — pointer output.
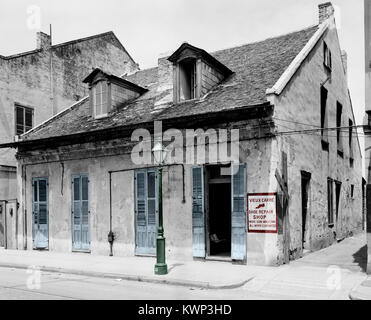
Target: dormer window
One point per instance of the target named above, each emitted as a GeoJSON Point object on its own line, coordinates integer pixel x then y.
{"type": "Point", "coordinates": [108, 92]}
{"type": "Point", "coordinates": [195, 73]}
{"type": "Point", "coordinates": [187, 80]}
{"type": "Point", "coordinates": [327, 57]}
{"type": "Point", "coordinates": [100, 99]}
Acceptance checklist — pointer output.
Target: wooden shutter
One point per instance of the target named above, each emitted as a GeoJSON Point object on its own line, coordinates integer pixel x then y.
{"type": "Point", "coordinates": [198, 212]}
{"type": "Point", "coordinates": [80, 213]}
{"type": "Point", "coordinates": [239, 212]}
{"type": "Point", "coordinates": [40, 213]}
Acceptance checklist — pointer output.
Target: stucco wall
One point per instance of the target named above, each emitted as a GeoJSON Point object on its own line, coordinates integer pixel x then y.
{"type": "Point", "coordinates": [26, 79]}
{"type": "Point", "coordinates": [300, 108]}
{"type": "Point", "coordinates": [95, 160]}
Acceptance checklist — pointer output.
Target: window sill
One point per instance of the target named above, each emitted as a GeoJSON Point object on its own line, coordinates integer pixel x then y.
{"type": "Point", "coordinates": [331, 225]}
{"type": "Point", "coordinates": [325, 145]}
{"type": "Point", "coordinates": [186, 101]}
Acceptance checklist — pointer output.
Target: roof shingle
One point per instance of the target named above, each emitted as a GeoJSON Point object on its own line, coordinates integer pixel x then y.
{"type": "Point", "coordinates": [256, 66]}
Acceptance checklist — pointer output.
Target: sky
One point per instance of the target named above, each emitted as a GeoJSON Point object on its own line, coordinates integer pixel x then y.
{"type": "Point", "coordinates": [150, 28]}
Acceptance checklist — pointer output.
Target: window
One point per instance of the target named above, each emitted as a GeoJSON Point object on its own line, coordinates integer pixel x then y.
{"type": "Point", "coordinates": [330, 201]}
{"type": "Point", "coordinates": [339, 110]}
{"type": "Point", "coordinates": [327, 57]}
{"type": "Point", "coordinates": [352, 190]}
{"type": "Point", "coordinates": [324, 125]}
{"type": "Point", "coordinates": [23, 119]}
{"type": "Point", "coordinates": [100, 99]}
{"type": "Point", "coordinates": [187, 80]}
{"type": "Point", "coordinates": [338, 191]}
{"type": "Point", "coordinates": [351, 161]}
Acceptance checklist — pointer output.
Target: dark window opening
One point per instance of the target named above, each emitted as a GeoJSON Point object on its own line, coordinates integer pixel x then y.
{"type": "Point", "coordinates": [23, 119]}
{"type": "Point", "coordinates": [324, 125]}
{"type": "Point", "coordinates": [352, 191]}
{"type": "Point", "coordinates": [305, 184]}
{"type": "Point", "coordinates": [330, 201]}
{"type": "Point", "coordinates": [351, 161]}
{"type": "Point", "coordinates": [339, 110]}
{"type": "Point", "coordinates": [327, 57]}
{"type": "Point", "coordinates": [187, 80]}
{"type": "Point", "coordinates": [338, 191]}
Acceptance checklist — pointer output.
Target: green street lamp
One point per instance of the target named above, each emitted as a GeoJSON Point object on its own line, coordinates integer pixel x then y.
{"type": "Point", "coordinates": [160, 154]}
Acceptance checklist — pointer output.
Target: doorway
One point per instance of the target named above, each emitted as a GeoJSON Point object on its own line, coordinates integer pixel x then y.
{"type": "Point", "coordinates": [305, 184]}
{"type": "Point", "coordinates": [219, 222]}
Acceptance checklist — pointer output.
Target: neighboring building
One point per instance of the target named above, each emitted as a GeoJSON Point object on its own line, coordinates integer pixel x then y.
{"type": "Point", "coordinates": [367, 125]}
{"type": "Point", "coordinates": [38, 84]}
{"type": "Point", "coordinates": [77, 179]}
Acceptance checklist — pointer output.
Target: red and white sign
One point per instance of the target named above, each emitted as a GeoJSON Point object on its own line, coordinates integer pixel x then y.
{"type": "Point", "coordinates": [262, 213]}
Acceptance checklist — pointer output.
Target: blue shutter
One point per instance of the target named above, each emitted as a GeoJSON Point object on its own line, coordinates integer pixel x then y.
{"type": "Point", "coordinates": [40, 213]}
{"type": "Point", "coordinates": [198, 212]}
{"type": "Point", "coordinates": [239, 211]}
{"type": "Point", "coordinates": [80, 213]}
{"type": "Point", "coordinates": [146, 211]}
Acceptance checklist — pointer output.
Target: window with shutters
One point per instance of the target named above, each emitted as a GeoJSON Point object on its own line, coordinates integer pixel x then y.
{"type": "Point", "coordinates": [100, 99]}
{"type": "Point", "coordinates": [324, 121]}
{"type": "Point", "coordinates": [187, 80]}
{"type": "Point", "coordinates": [327, 60]}
{"type": "Point", "coordinates": [23, 119]}
{"type": "Point", "coordinates": [146, 210]}
{"type": "Point", "coordinates": [351, 156]}
{"type": "Point", "coordinates": [339, 111]}
{"type": "Point", "coordinates": [330, 201]}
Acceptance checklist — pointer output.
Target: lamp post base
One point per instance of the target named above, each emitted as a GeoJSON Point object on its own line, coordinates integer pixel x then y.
{"type": "Point", "coordinates": [160, 268]}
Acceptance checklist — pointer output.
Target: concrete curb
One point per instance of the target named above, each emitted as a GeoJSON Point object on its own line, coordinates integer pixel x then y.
{"type": "Point", "coordinates": [148, 279]}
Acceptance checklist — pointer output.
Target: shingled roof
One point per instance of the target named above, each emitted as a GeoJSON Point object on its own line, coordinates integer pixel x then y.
{"type": "Point", "coordinates": [256, 66]}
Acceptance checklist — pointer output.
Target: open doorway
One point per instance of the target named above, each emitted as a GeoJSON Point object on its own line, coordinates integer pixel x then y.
{"type": "Point", "coordinates": [305, 184]}
{"type": "Point", "coordinates": [219, 224]}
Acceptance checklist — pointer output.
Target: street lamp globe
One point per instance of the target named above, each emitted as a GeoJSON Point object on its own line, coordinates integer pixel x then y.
{"type": "Point", "coordinates": [160, 153]}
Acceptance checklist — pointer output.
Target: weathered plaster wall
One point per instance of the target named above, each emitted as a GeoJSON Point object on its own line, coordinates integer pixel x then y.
{"type": "Point", "coordinates": [26, 79]}
{"type": "Point", "coordinates": [300, 108]}
{"type": "Point", "coordinates": [101, 157]}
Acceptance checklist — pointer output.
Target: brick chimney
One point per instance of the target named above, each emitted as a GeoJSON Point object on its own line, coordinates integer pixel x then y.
{"type": "Point", "coordinates": [43, 41]}
{"type": "Point", "coordinates": [344, 58]}
{"type": "Point", "coordinates": [326, 10]}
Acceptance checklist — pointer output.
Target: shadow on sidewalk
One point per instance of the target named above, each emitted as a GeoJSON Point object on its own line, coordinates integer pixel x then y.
{"type": "Point", "coordinates": [360, 257]}
{"type": "Point", "coordinates": [174, 266]}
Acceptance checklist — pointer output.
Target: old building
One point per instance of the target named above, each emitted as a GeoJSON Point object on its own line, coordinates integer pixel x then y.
{"type": "Point", "coordinates": [38, 84]}
{"type": "Point", "coordinates": [88, 170]}
{"type": "Point", "coordinates": [367, 125]}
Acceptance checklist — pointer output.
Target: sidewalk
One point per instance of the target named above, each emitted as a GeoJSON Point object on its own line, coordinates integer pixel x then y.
{"type": "Point", "coordinates": [363, 291]}
{"type": "Point", "coordinates": [336, 272]}
{"type": "Point", "coordinates": [208, 275]}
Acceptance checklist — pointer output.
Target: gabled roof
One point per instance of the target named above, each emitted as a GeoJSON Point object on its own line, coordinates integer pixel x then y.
{"type": "Point", "coordinates": [200, 53]}
{"type": "Point", "coordinates": [118, 80]}
{"type": "Point", "coordinates": [256, 66]}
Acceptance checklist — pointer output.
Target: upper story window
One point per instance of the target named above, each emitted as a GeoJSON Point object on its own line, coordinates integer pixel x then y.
{"type": "Point", "coordinates": [327, 57]}
{"type": "Point", "coordinates": [23, 119]}
{"type": "Point", "coordinates": [187, 80]}
{"type": "Point", "coordinates": [339, 111]}
{"type": "Point", "coordinates": [100, 99]}
{"type": "Point", "coordinates": [324, 119]}
{"type": "Point", "coordinates": [108, 92]}
{"type": "Point", "coordinates": [195, 72]}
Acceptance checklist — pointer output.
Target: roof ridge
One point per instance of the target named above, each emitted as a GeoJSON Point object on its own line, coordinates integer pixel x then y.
{"type": "Point", "coordinates": [82, 39]}
{"type": "Point", "coordinates": [266, 39]}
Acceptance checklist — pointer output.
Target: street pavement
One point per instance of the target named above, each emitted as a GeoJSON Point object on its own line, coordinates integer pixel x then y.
{"type": "Point", "coordinates": [331, 273]}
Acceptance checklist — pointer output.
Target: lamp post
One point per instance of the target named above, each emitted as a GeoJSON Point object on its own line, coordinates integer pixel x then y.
{"type": "Point", "coordinates": [160, 154]}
